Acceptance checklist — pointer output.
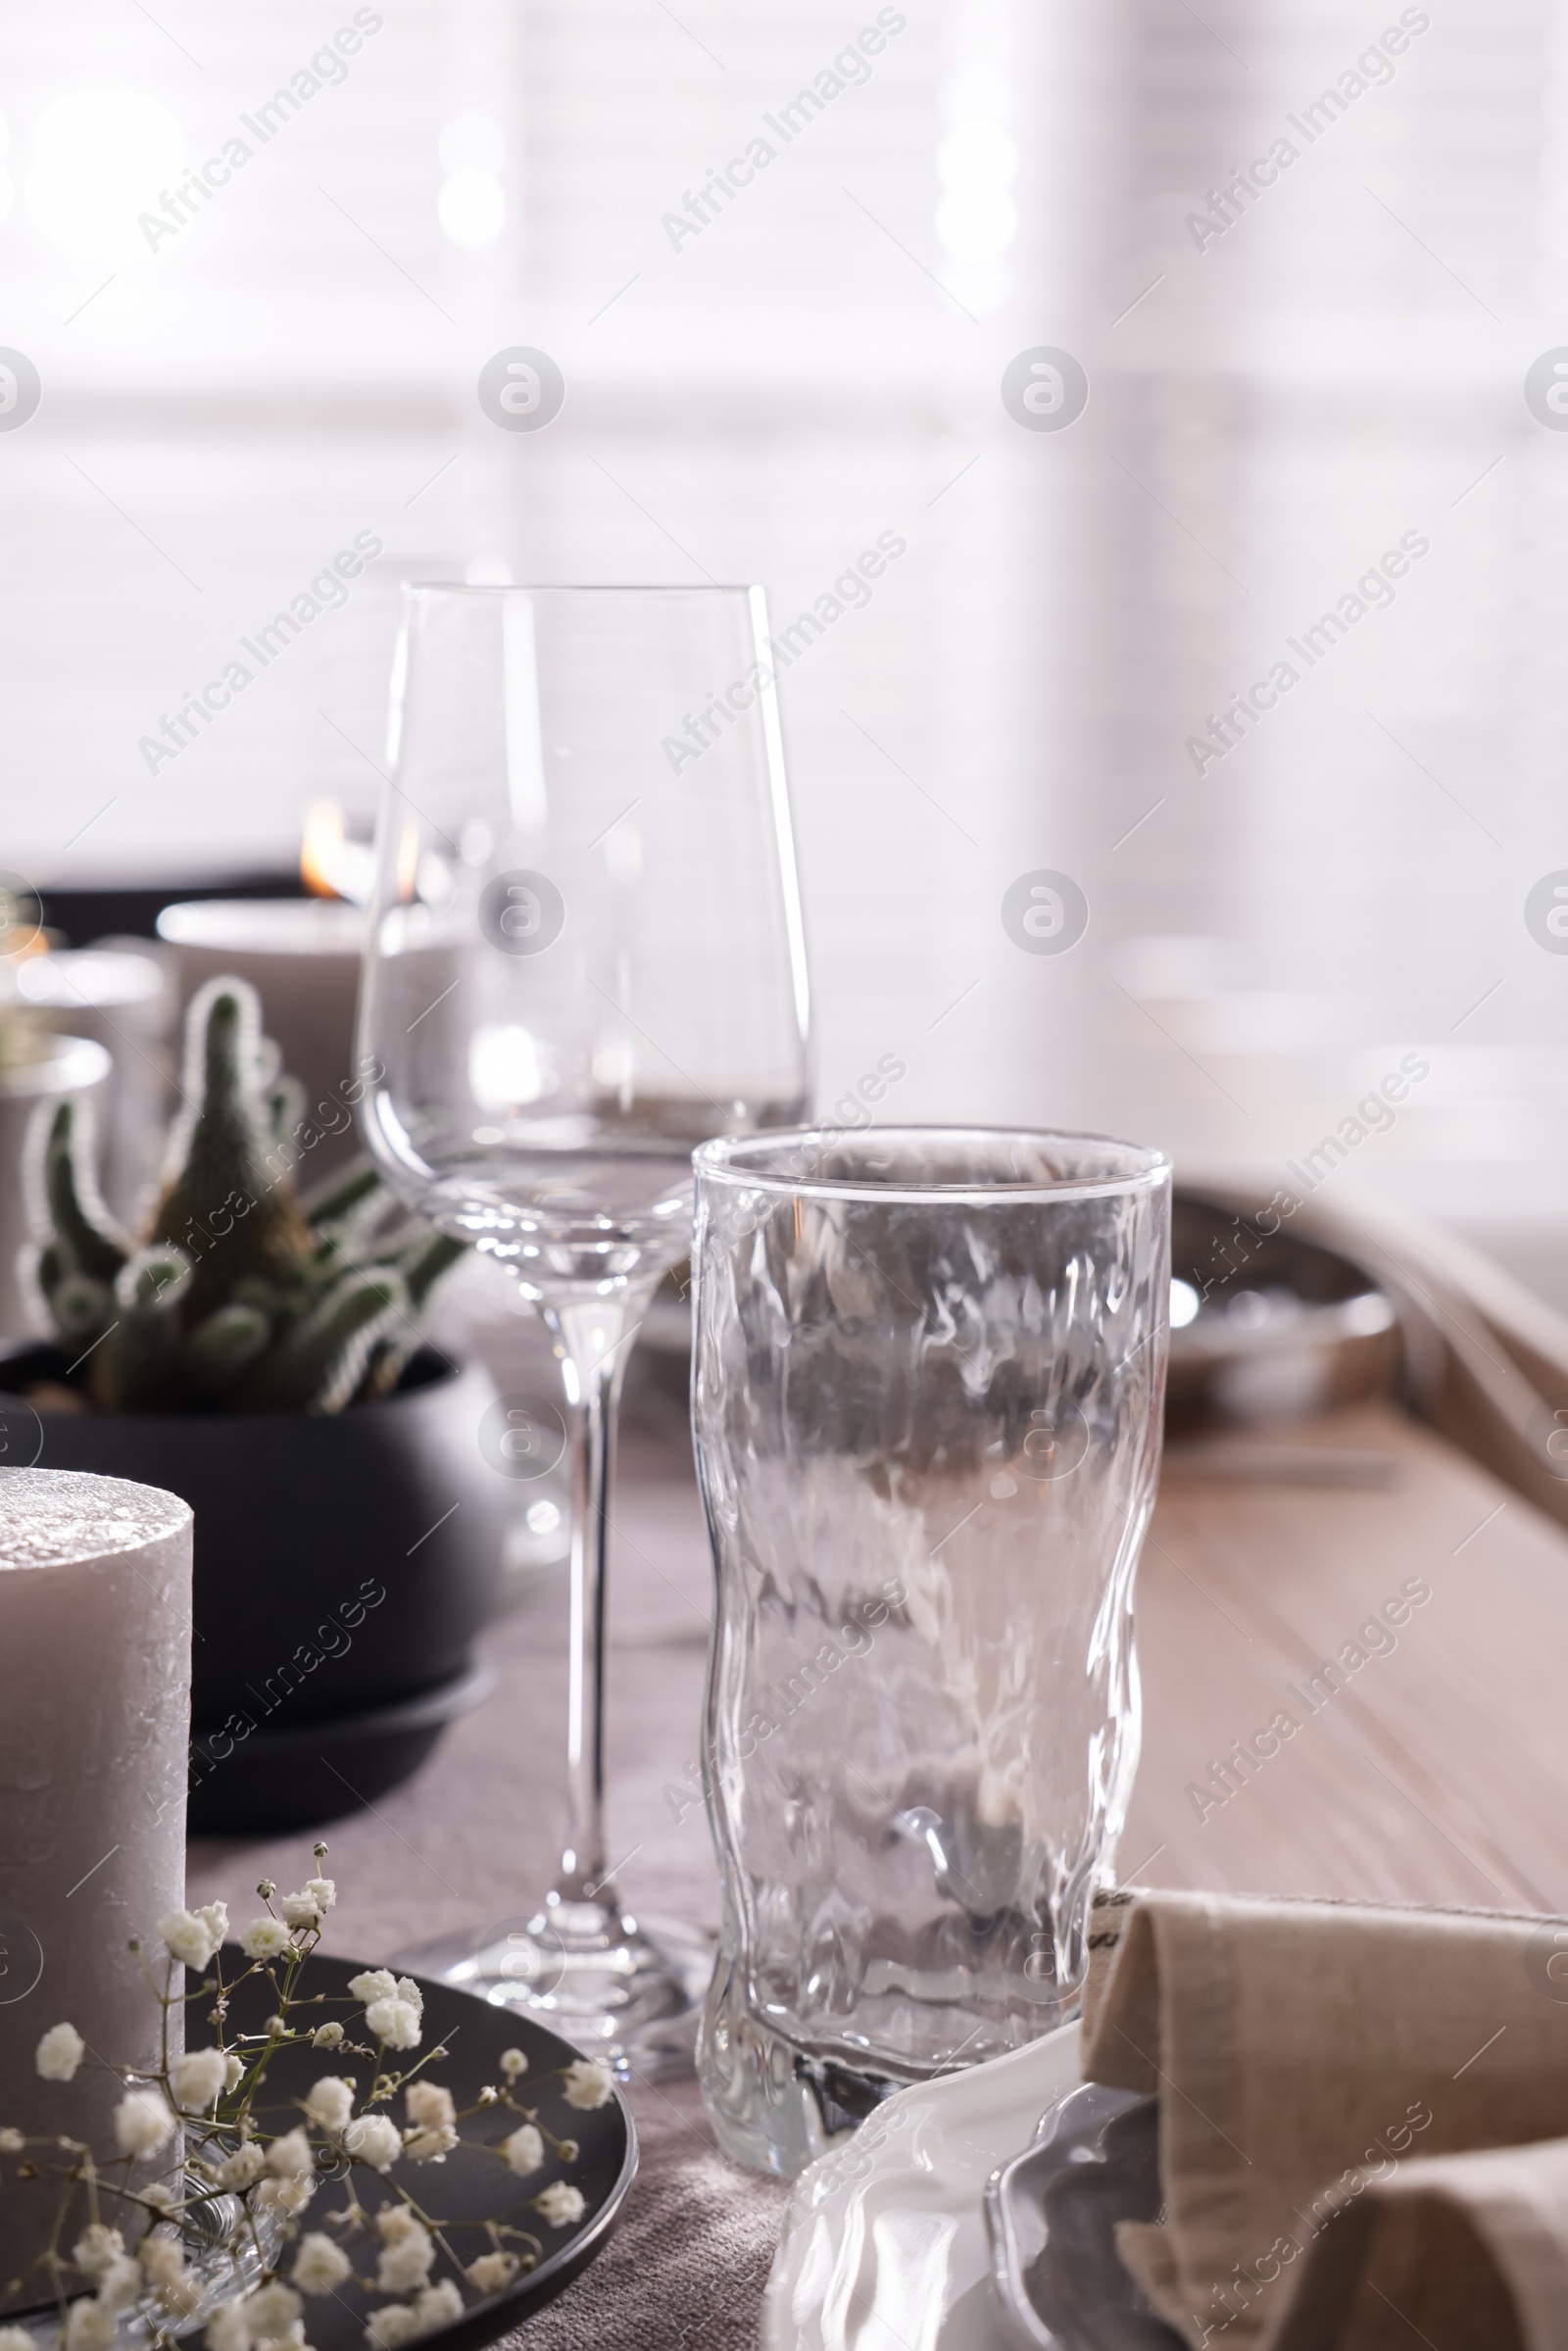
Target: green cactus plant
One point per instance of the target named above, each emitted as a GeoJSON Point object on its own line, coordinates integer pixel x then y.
{"type": "Point", "coordinates": [240, 1296]}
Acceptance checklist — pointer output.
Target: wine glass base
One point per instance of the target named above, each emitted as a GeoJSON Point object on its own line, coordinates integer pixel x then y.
{"type": "Point", "coordinates": [627, 1991]}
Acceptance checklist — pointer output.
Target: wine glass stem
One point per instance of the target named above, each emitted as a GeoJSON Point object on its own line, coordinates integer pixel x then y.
{"type": "Point", "coordinates": [593, 1338]}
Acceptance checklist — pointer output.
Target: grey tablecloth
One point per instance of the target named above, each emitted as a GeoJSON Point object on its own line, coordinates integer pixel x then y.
{"type": "Point", "coordinates": [685, 2270]}
{"type": "Point", "coordinates": [477, 1835]}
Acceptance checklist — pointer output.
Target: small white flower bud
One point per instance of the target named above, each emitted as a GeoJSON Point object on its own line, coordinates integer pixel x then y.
{"type": "Point", "coordinates": [143, 2123]}
{"type": "Point", "coordinates": [587, 2085]}
{"type": "Point", "coordinates": [560, 2204]}
{"type": "Point", "coordinates": [375, 2138]}
{"type": "Point", "coordinates": [492, 2271]}
{"type": "Point", "coordinates": [162, 2259]}
{"type": "Point", "coordinates": [198, 2078]}
{"type": "Point", "coordinates": [330, 2102]}
{"type": "Point", "coordinates": [290, 2157]}
{"type": "Point", "coordinates": [95, 2248]}
{"type": "Point", "coordinates": [60, 2052]}
{"type": "Point", "coordinates": [320, 2266]}
{"type": "Point", "coordinates": [265, 1938]}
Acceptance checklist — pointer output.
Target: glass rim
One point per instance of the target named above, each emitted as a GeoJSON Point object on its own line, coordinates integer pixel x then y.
{"type": "Point", "coordinates": [551, 587]}
{"type": "Point", "coordinates": [724, 1160]}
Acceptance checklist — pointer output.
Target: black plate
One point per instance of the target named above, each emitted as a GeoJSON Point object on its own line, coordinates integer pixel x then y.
{"type": "Point", "coordinates": [306, 1775]}
{"type": "Point", "coordinates": [468, 2188]}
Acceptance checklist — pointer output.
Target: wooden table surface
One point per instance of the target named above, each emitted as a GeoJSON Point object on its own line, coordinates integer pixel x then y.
{"type": "Point", "coordinates": [1438, 1772]}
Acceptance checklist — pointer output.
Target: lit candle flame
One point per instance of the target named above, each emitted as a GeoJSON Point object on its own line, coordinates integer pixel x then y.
{"type": "Point", "coordinates": [331, 865]}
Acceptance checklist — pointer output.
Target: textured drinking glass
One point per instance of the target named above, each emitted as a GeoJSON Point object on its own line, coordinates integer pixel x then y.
{"type": "Point", "coordinates": [926, 1395]}
{"type": "Point", "coordinates": [584, 955]}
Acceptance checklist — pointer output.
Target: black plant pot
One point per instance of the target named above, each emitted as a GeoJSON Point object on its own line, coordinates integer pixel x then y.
{"type": "Point", "coordinates": [343, 1564]}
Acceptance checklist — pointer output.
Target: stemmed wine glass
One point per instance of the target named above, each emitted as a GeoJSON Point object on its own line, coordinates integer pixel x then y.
{"type": "Point", "coordinates": [584, 957]}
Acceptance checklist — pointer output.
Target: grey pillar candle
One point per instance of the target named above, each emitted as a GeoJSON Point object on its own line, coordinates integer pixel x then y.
{"type": "Point", "coordinates": [95, 1632]}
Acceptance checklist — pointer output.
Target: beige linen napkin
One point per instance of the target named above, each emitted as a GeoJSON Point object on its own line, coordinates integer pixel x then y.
{"type": "Point", "coordinates": [1465, 2252]}
{"type": "Point", "coordinates": [1326, 2073]}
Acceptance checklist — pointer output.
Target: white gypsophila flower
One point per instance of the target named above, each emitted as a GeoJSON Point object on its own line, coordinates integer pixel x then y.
{"type": "Point", "coordinates": [560, 2204]}
{"type": "Point", "coordinates": [395, 2220]}
{"type": "Point", "coordinates": [229, 2329]}
{"type": "Point", "coordinates": [273, 2309]}
{"type": "Point", "coordinates": [429, 2105]}
{"type": "Point", "coordinates": [60, 2052]}
{"type": "Point", "coordinates": [512, 2062]}
{"type": "Point", "coordinates": [322, 1893]}
{"type": "Point", "coordinates": [95, 2248]}
{"type": "Point", "coordinates": [320, 2266]}
{"type": "Point", "coordinates": [330, 2102]}
{"type": "Point", "coordinates": [244, 2167]}
{"type": "Point", "coordinates": [374, 1983]}
{"type": "Point", "coordinates": [390, 2327]}
{"type": "Point", "coordinates": [437, 2306]}
{"type": "Point", "coordinates": [327, 2037]}
{"type": "Point", "coordinates": [290, 2157]}
{"type": "Point", "coordinates": [286, 2195]}
{"type": "Point", "coordinates": [233, 2071]}
{"type": "Point", "coordinates": [405, 2262]}
{"type": "Point", "coordinates": [524, 2150]}
{"type": "Point", "coordinates": [90, 2326]}
{"type": "Point", "coordinates": [587, 2085]}
{"type": "Point", "coordinates": [181, 2296]}
{"type": "Point", "coordinates": [434, 2117]}
{"type": "Point", "coordinates": [121, 2284]}
{"type": "Point", "coordinates": [16, 2338]}
{"type": "Point", "coordinates": [161, 2195]}
{"type": "Point", "coordinates": [375, 2139]}
{"type": "Point", "coordinates": [198, 2078]}
{"type": "Point", "coordinates": [301, 1910]}
{"type": "Point", "coordinates": [381, 1984]}
{"type": "Point", "coordinates": [403, 2270]}
{"type": "Point", "coordinates": [143, 2123]}
{"type": "Point", "coordinates": [192, 1936]}
{"type": "Point", "coordinates": [400, 2322]}
{"type": "Point", "coordinates": [265, 1938]}
{"type": "Point", "coordinates": [162, 2259]}
{"type": "Point", "coordinates": [12, 2142]}
{"type": "Point", "coordinates": [492, 2271]}
{"type": "Point", "coordinates": [395, 2022]}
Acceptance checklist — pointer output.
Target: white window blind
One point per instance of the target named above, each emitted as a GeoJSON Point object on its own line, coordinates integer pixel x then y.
{"type": "Point", "coordinates": [814, 363]}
